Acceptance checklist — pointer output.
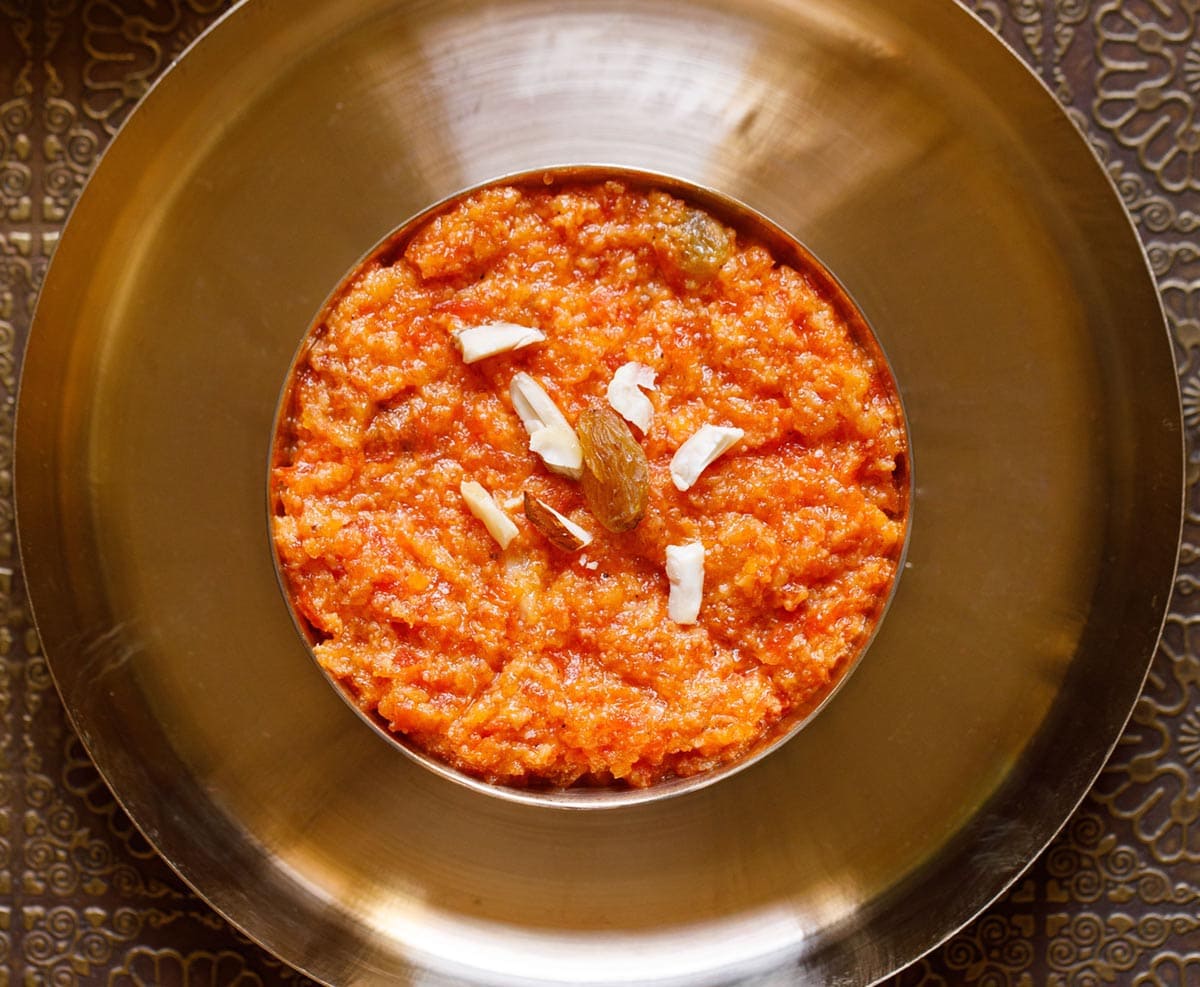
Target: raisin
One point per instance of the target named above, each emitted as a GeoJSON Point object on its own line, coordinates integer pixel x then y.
{"type": "Point", "coordinates": [616, 476]}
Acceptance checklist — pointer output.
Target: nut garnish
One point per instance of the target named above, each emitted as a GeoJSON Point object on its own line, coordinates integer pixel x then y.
{"type": "Point", "coordinates": [560, 531]}
{"type": "Point", "coordinates": [479, 342]}
{"type": "Point", "coordinates": [685, 573]}
{"type": "Point", "coordinates": [536, 408]}
{"type": "Point", "coordinates": [697, 453]}
{"type": "Point", "coordinates": [550, 434]}
{"type": "Point", "coordinates": [560, 450]}
{"type": "Point", "coordinates": [481, 504]}
{"type": "Point", "coordinates": [627, 400]}
{"type": "Point", "coordinates": [616, 476]}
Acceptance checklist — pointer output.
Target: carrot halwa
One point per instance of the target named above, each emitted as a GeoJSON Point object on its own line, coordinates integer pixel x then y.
{"type": "Point", "coordinates": [533, 664]}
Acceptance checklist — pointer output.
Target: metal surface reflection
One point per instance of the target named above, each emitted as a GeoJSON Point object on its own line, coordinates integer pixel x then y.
{"type": "Point", "coordinates": [916, 157]}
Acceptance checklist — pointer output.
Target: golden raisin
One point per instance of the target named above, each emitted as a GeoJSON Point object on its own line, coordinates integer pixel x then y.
{"type": "Point", "coordinates": [700, 245]}
{"type": "Point", "coordinates": [616, 477]}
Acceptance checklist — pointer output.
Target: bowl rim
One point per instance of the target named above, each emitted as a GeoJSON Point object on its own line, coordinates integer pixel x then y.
{"type": "Point", "coordinates": [786, 248]}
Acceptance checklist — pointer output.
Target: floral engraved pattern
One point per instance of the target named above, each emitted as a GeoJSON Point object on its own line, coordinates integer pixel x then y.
{"type": "Point", "coordinates": [1147, 84]}
{"type": "Point", "coordinates": [1149, 783]}
{"type": "Point", "coordinates": [16, 112]}
{"type": "Point", "coordinates": [17, 158]}
{"type": "Point", "coordinates": [1088, 949]}
{"type": "Point", "coordinates": [1170, 970]}
{"type": "Point", "coordinates": [1029, 14]}
{"type": "Point", "coordinates": [18, 273]}
{"type": "Point", "coordinates": [70, 944]}
{"type": "Point", "coordinates": [16, 173]}
{"type": "Point", "coordinates": [129, 44]}
{"type": "Point", "coordinates": [70, 153]}
{"type": "Point", "coordinates": [991, 951]}
{"type": "Point", "coordinates": [1114, 900]}
{"type": "Point", "coordinates": [81, 779]}
{"type": "Point", "coordinates": [167, 968]}
{"type": "Point", "coordinates": [1090, 866]}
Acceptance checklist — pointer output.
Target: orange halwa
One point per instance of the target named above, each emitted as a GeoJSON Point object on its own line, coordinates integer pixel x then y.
{"type": "Point", "coordinates": [533, 665]}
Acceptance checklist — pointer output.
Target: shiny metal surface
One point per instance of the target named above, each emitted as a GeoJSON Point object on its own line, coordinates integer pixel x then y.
{"type": "Point", "coordinates": [786, 249]}
{"type": "Point", "coordinates": [962, 211]}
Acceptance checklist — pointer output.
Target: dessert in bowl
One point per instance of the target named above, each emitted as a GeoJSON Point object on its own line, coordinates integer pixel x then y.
{"type": "Point", "coordinates": [589, 486]}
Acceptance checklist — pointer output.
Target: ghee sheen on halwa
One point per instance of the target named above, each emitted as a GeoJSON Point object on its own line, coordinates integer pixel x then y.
{"type": "Point", "coordinates": [533, 665]}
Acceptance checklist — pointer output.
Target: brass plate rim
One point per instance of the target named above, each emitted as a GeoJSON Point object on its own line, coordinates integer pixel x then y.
{"type": "Point", "coordinates": [23, 399]}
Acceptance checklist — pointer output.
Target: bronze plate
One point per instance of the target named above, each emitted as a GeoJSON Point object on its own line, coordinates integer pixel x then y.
{"type": "Point", "coordinates": [940, 182]}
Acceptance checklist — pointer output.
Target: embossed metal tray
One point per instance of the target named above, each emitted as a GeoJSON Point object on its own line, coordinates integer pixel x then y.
{"type": "Point", "coordinates": [948, 192]}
